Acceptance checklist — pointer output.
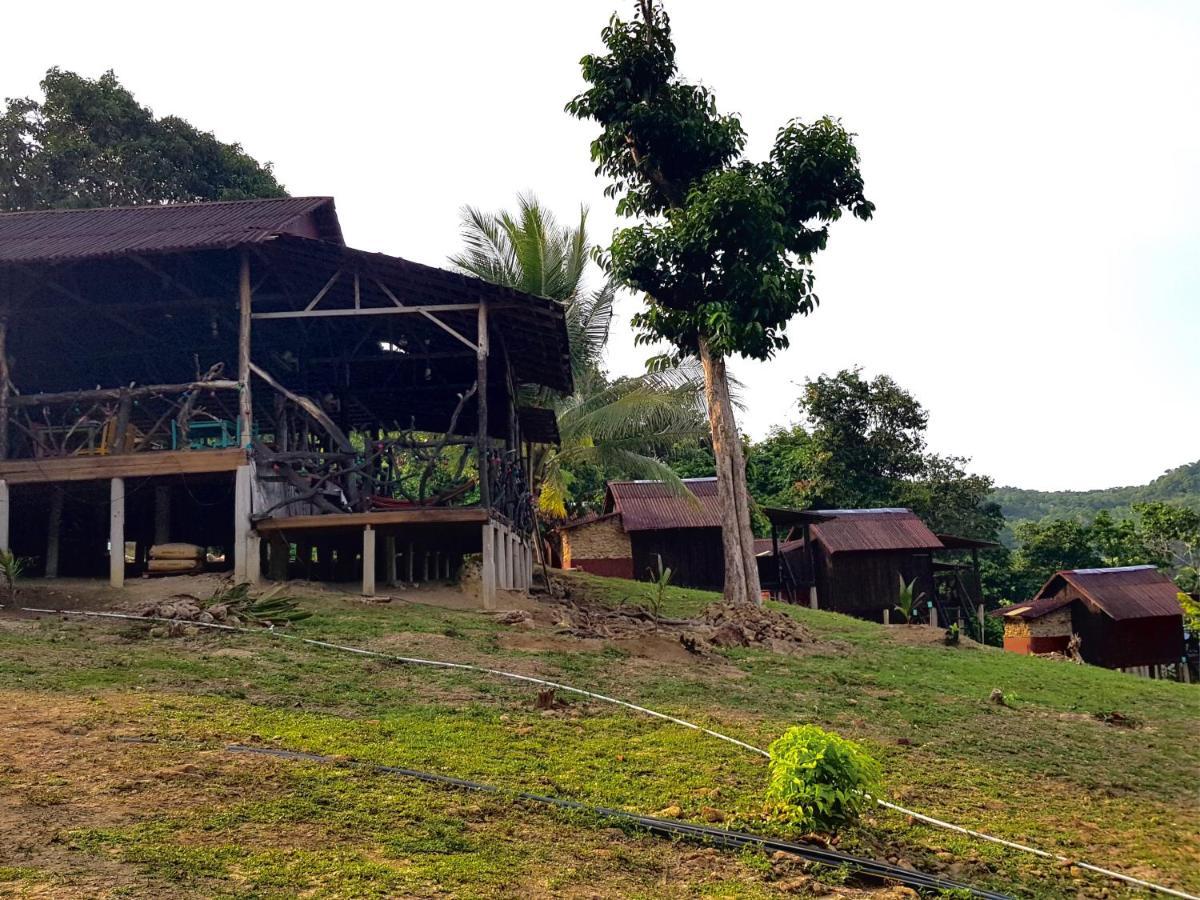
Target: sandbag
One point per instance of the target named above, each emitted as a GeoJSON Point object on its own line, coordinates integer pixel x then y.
{"type": "Point", "coordinates": [177, 551]}
{"type": "Point", "coordinates": [174, 566]}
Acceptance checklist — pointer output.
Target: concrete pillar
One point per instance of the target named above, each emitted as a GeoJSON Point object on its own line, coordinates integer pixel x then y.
{"type": "Point", "coordinates": [368, 562]}
{"type": "Point", "coordinates": [812, 597]}
{"type": "Point", "coordinates": [241, 524]}
{"type": "Point", "coordinates": [887, 617]}
{"type": "Point", "coordinates": [116, 533]}
{"type": "Point", "coordinates": [982, 630]}
{"type": "Point", "coordinates": [933, 616]}
{"type": "Point", "coordinates": [5, 514]}
{"type": "Point", "coordinates": [487, 573]}
{"type": "Point", "coordinates": [162, 514]}
{"type": "Point", "coordinates": [54, 529]}
{"type": "Point", "coordinates": [389, 561]}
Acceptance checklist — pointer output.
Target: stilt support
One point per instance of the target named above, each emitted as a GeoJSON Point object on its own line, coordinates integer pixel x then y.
{"type": "Point", "coordinates": [116, 533]}
{"type": "Point", "coordinates": [368, 562]}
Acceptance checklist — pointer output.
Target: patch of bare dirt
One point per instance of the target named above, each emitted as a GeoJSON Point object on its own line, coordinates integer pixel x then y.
{"type": "Point", "coordinates": [928, 636]}
{"type": "Point", "coordinates": [575, 625]}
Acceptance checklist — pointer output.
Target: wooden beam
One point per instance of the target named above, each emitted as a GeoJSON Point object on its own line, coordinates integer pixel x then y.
{"type": "Point", "coordinates": [147, 464]}
{"type": "Point", "coordinates": [481, 406]}
{"type": "Point", "coordinates": [389, 561]}
{"type": "Point", "coordinates": [116, 533]}
{"type": "Point", "coordinates": [245, 407]}
{"type": "Point", "coordinates": [54, 530]}
{"type": "Point", "coordinates": [371, 311]}
{"type": "Point", "coordinates": [417, 515]}
{"type": "Point", "coordinates": [134, 392]}
{"type": "Point", "coordinates": [309, 406]}
{"type": "Point", "coordinates": [5, 516]}
{"type": "Point", "coordinates": [4, 385]}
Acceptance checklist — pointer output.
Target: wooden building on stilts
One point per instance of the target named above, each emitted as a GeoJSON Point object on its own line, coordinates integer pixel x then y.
{"type": "Point", "coordinates": [233, 376]}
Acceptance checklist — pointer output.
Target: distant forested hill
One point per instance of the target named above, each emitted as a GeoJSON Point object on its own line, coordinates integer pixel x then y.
{"type": "Point", "coordinates": [1181, 485]}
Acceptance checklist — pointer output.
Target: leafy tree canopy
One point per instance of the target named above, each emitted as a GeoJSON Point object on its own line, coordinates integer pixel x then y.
{"type": "Point", "coordinates": [724, 254]}
{"type": "Point", "coordinates": [90, 143]}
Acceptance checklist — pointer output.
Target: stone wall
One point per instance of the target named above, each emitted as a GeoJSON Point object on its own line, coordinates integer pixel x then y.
{"type": "Point", "coordinates": [1055, 624]}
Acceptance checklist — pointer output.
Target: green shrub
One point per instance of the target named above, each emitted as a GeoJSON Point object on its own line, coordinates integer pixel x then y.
{"type": "Point", "coordinates": [818, 780]}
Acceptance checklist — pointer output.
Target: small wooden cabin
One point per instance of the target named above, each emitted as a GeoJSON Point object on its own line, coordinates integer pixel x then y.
{"type": "Point", "coordinates": [1125, 618]}
{"type": "Point", "coordinates": [644, 521]}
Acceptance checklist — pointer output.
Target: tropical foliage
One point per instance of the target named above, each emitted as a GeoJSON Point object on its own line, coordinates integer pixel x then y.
{"type": "Point", "coordinates": [819, 781]}
{"type": "Point", "coordinates": [609, 427]}
{"type": "Point", "coordinates": [724, 246]}
{"type": "Point", "coordinates": [90, 143]}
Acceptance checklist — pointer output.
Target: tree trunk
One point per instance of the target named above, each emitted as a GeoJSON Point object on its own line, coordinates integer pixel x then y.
{"type": "Point", "coordinates": [737, 537]}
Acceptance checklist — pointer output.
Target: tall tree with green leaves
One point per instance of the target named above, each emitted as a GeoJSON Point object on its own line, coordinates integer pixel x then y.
{"type": "Point", "coordinates": [724, 247]}
{"type": "Point", "coordinates": [620, 426]}
{"type": "Point", "coordinates": [88, 142]}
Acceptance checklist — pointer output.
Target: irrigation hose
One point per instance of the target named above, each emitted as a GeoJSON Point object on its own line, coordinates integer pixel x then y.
{"type": "Point", "coordinates": [468, 667]}
{"type": "Point", "coordinates": [665, 827]}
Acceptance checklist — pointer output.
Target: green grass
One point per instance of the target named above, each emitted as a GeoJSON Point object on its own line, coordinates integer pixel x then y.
{"type": "Point", "coordinates": [1044, 771]}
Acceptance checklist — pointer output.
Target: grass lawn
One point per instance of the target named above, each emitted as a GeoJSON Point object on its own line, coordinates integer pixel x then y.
{"type": "Point", "coordinates": [116, 781]}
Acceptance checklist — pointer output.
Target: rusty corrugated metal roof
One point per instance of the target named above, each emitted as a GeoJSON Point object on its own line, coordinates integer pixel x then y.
{"type": "Point", "coordinates": [67, 235]}
{"type": "Point", "coordinates": [1129, 592]}
{"type": "Point", "coordinates": [849, 530]}
{"type": "Point", "coordinates": [652, 506]}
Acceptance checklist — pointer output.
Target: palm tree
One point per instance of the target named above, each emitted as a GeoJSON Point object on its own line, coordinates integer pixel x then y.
{"type": "Point", "coordinates": [617, 425]}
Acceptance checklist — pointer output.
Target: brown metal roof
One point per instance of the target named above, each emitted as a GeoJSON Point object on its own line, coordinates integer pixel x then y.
{"type": "Point", "coordinates": [70, 235]}
{"type": "Point", "coordinates": [652, 506]}
{"type": "Point", "coordinates": [589, 519]}
{"type": "Point", "coordinates": [956, 542]}
{"type": "Point", "coordinates": [1130, 592]}
{"type": "Point", "coordinates": [850, 530]}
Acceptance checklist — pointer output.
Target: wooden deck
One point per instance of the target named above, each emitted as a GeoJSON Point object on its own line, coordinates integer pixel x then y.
{"type": "Point", "coordinates": [130, 465]}
{"type": "Point", "coordinates": [420, 515]}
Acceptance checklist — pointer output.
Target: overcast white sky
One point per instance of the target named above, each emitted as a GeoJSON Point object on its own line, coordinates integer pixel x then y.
{"type": "Point", "coordinates": [1032, 274]}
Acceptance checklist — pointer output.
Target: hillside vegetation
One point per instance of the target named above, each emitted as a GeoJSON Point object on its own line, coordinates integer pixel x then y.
{"type": "Point", "coordinates": [1180, 485]}
{"type": "Point", "coordinates": [122, 781]}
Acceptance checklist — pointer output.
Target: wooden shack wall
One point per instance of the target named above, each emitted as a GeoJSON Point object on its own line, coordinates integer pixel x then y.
{"type": "Point", "coordinates": [694, 556]}
{"type": "Point", "coordinates": [865, 583]}
{"type": "Point", "coordinates": [1119, 644]}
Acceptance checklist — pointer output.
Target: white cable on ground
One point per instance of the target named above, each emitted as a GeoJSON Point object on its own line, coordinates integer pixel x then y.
{"type": "Point", "coordinates": [468, 667]}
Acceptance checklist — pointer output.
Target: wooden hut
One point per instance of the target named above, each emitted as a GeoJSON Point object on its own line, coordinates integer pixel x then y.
{"type": "Point", "coordinates": [645, 521]}
{"type": "Point", "coordinates": [234, 376]}
{"type": "Point", "coordinates": [1124, 618]}
{"type": "Point", "coordinates": [851, 561]}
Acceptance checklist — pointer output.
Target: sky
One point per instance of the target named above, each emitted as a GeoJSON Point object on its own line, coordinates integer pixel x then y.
{"type": "Point", "coordinates": [1032, 274]}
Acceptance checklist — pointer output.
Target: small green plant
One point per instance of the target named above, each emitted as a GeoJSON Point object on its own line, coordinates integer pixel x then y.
{"type": "Point", "coordinates": [908, 600]}
{"type": "Point", "coordinates": [819, 781]}
{"type": "Point", "coordinates": [660, 576]}
{"type": "Point", "coordinates": [952, 635]}
{"type": "Point", "coordinates": [11, 567]}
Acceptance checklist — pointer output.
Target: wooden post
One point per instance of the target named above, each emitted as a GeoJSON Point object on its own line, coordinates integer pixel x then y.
{"type": "Point", "coordinates": [982, 630]}
{"type": "Point", "coordinates": [120, 432]}
{"type": "Point", "coordinates": [425, 566]}
{"type": "Point", "coordinates": [887, 617]}
{"type": "Point", "coordinates": [245, 407]}
{"type": "Point", "coordinates": [481, 405]}
{"type": "Point", "coordinates": [389, 562]}
{"type": "Point", "coordinates": [241, 525]}
{"type": "Point", "coordinates": [116, 533]}
{"type": "Point", "coordinates": [812, 597]}
{"type": "Point", "coordinates": [933, 615]}
{"type": "Point", "coordinates": [487, 573]}
{"type": "Point", "coordinates": [162, 513]}
{"type": "Point", "coordinates": [4, 384]}
{"type": "Point", "coordinates": [278, 553]}
{"type": "Point", "coordinates": [5, 516]}
{"type": "Point", "coordinates": [57, 495]}
{"type": "Point", "coordinates": [408, 561]}
{"type": "Point", "coordinates": [368, 562]}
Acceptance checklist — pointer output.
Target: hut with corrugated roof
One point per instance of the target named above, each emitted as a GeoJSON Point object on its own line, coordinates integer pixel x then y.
{"type": "Point", "coordinates": [644, 522]}
{"type": "Point", "coordinates": [233, 376]}
{"type": "Point", "coordinates": [1120, 618]}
